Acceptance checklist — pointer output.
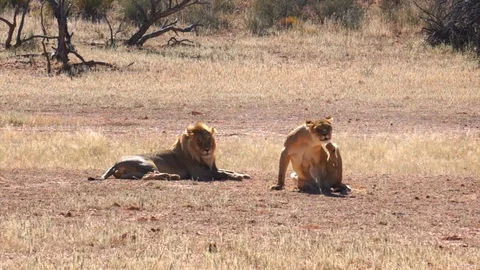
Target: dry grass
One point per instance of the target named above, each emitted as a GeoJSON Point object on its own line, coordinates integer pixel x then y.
{"type": "Point", "coordinates": [406, 120]}
{"type": "Point", "coordinates": [421, 154]}
{"type": "Point", "coordinates": [134, 246]}
{"type": "Point", "coordinates": [340, 67]}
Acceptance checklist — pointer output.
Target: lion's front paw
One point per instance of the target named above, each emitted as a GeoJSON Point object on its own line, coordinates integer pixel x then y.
{"type": "Point", "coordinates": [155, 176]}
{"type": "Point", "coordinates": [276, 187]}
{"type": "Point", "coordinates": [235, 176]}
{"type": "Point", "coordinates": [174, 177]}
{"type": "Point", "coordinates": [245, 176]}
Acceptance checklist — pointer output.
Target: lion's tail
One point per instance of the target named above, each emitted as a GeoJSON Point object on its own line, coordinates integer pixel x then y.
{"type": "Point", "coordinates": [108, 173]}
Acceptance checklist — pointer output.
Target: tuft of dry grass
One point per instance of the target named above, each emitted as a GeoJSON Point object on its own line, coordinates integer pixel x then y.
{"type": "Point", "coordinates": [17, 119]}
{"type": "Point", "coordinates": [406, 154]}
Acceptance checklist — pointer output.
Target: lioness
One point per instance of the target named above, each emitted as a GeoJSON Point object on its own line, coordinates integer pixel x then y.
{"type": "Point", "coordinates": [191, 157]}
{"type": "Point", "coordinates": [316, 161]}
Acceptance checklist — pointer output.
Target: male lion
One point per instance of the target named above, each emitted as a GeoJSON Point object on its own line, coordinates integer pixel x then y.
{"type": "Point", "coordinates": [316, 161]}
{"type": "Point", "coordinates": [191, 157]}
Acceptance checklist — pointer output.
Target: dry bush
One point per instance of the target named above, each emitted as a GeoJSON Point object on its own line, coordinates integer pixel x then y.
{"type": "Point", "coordinates": [455, 23]}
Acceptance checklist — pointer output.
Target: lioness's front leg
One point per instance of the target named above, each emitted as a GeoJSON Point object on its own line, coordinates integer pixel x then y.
{"type": "Point", "coordinates": [341, 188]}
{"type": "Point", "coordinates": [307, 186]}
{"type": "Point", "coordinates": [282, 169]}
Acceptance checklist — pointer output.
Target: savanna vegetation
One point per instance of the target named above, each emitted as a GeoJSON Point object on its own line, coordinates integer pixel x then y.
{"type": "Point", "coordinates": [405, 117]}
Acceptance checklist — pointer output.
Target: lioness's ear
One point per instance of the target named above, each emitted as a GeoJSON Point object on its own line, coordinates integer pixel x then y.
{"type": "Point", "coordinates": [309, 124]}
{"type": "Point", "coordinates": [329, 119]}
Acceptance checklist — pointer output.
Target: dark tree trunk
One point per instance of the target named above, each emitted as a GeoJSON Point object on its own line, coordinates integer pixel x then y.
{"type": "Point", "coordinates": [22, 22]}
{"type": "Point", "coordinates": [133, 40]}
{"type": "Point", "coordinates": [8, 42]}
{"type": "Point", "coordinates": [63, 43]}
{"type": "Point", "coordinates": [11, 27]}
{"type": "Point", "coordinates": [158, 11]}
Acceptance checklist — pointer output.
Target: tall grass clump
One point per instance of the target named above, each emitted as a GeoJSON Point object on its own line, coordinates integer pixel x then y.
{"type": "Point", "coordinates": [432, 154]}
{"type": "Point", "coordinates": [400, 14]}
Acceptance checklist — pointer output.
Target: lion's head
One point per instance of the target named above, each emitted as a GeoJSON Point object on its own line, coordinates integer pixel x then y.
{"type": "Point", "coordinates": [322, 129]}
{"type": "Point", "coordinates": [199, 143]}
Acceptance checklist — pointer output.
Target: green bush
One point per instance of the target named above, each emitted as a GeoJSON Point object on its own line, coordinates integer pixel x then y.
{"type": "Point", "coordinates": [390, 8]}
{"type": "Point", "coordinates": [4, 4]}
{"type": "Point", "coordinates": [92, 9]}
{"type": "Point", "coordinates": [211, 16]}
{"type": "Point", "coordinates": [346, 12]}
{"type": "Point", "coordinates": [266, 13]}
{"type": "Point", "coordinates": [400, 12]}
{"type": "Point", "coordinates": [132, 12]}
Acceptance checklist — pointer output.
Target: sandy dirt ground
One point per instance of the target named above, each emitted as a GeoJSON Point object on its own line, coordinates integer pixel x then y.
{"type": "Point", "coordinates": [444, 208]}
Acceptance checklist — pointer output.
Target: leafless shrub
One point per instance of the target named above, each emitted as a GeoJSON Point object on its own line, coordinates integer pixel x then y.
{"type": "Point", "coordinates": [453, 22]}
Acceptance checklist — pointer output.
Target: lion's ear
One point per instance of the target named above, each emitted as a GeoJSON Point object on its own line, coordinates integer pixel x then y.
{"type": "Point", "coordinates": [329, 119]}
{"type": "Point", "coordinates": [190, 130]}
{"type": "Point", "coordinates": [212, 130]}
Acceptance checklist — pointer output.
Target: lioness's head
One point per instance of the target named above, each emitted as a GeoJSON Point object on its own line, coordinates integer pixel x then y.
{"type": "Point", "coordinates": [322, 129]}
{"type": "Point", "coordinates": [201, 142]}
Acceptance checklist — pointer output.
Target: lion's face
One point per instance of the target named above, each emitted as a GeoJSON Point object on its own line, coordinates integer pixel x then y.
{"type": "Point", "coordinates": [322, 129]}
{"type": "Point", "coordinates": [201, 141]}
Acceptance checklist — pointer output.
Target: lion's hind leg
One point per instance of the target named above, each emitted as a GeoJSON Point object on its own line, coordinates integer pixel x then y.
{"type": "Point", "coordinates": [133, 167]}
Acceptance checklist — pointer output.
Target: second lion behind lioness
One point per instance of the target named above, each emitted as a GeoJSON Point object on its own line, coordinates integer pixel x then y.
{"type": "Point", "coordinates": [191, 157]}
